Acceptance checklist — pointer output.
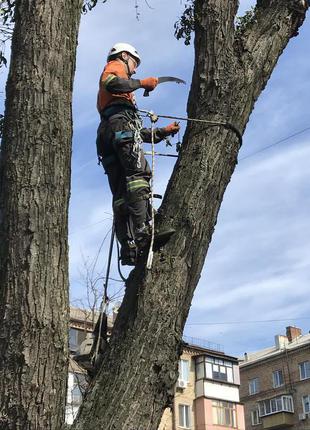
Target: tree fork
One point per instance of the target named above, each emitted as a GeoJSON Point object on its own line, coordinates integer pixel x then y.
{"type": "Point", "coordinates": [139, 370]}
{"type": "Point", "coordinates": [34, 194]}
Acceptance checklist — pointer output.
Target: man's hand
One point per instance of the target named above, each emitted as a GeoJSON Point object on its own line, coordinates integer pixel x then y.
{"type": "Point", "coordinates": [149, 83]}
{"type": "Point", "coordinates": [172, 129]}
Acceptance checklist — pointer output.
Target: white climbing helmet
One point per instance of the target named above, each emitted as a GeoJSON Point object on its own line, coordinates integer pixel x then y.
{"type": "Point", "coordinates": [121, 47]}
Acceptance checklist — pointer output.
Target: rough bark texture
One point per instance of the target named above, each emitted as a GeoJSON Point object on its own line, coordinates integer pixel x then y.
{"type": "Point", "coordinates": [137, 377]}
{"type": "Point", "coordinates": [34, 193]}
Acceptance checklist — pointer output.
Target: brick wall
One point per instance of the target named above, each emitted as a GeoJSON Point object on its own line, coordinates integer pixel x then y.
{"type": "Point", "coordinates": [184, 396]}
{"type": "Point", "coordinates": [287, 361]}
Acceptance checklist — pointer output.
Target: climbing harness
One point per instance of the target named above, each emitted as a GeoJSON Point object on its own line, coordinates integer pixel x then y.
{"type": "Point", "coordinates": [135, 124]}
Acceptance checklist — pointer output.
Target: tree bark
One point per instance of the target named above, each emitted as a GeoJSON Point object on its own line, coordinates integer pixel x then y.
{"type": "Point", "coordinates": [139, 370]}
{"type": "Point", "coordinates": [34, 194]}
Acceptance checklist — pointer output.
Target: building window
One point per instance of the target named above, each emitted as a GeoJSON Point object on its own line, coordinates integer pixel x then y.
{"type": "Point", "coordinates": [73, 339]}
{"type": "Point", "coordinates": [224, 413]}
{"type": "Point", "coordinates": [277, 378]}
{"type": "Point", "coordinates": [200, 368]}
{"type": "Point", "coordinates": [184, 416]}
{"type": "Point", "coordinates": [304, 370]}
{"type": "Point", "coordinates": [253, 386]}
{"type": "Point", "coordinates": [255, 417]}
{"type": "Point", "coordinates": [184, 370]}
{"type": "Point", "coordinates": [277, 404]}
{"type": "Point", "coordinates": [306, 404]}
{"type": "Point", "coordinates": [78, 389]}
{"type": "Point", "coordinates": [214, 368]}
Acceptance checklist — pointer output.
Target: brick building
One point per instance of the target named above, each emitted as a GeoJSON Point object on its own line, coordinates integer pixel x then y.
{"type": "Point", "coordinates": [275, 384]}
{"type": "Point", "coordinates": [207, 391]}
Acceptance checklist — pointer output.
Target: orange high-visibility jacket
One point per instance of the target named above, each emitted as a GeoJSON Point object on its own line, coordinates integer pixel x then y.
{"type": "Point", "coordinates": [115, 86]}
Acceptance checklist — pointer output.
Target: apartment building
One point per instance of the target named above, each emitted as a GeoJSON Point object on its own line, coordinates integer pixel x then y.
{"type": "Point", "coordinates": [207, 391]}
{"type": "Point", "coordinates": [275, 384]}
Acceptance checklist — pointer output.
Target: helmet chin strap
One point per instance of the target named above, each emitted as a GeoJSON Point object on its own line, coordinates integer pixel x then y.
{"type": "Point", "coordinates": [127, 65]}
{"type": "Point", "coordinates": [128, 70]}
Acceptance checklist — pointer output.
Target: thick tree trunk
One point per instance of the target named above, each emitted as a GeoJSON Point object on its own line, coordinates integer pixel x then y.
{"type": "Point", "coordinates": [137, 377]}
{"type": "Point", "coordinates": [34, 193]}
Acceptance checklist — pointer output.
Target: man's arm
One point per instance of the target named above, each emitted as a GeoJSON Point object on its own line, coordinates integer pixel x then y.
{"type": "Point", "coordinates": [116, 85]}
{"type": "Point", "coordinates": [159, 133]}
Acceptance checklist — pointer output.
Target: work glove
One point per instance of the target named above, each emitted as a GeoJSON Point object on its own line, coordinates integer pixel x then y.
{"type": "Point", "coordinates": [172, 129]}
{"type": "Point", "coordinates": [149, 83]}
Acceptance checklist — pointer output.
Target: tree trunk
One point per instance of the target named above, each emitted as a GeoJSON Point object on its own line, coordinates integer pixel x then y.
{"type": "Point", "coordinates": [137, 377]}
{"type": "Point", "coordinates": [34, 194]}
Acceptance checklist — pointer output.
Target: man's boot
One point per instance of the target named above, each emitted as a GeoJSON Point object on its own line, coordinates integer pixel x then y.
{"type": "Point", "coordinates": [128, 253]}
{"type": "Point", "coordinates": [162, 237]}
{"type": "Point", "coordinates": [143, 236]}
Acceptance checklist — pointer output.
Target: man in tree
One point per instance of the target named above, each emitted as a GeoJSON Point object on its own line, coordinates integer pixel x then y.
{"type": "Point", "coordinates": [120, 135]}
{"type": "Point", "coordinates": [139, 370]}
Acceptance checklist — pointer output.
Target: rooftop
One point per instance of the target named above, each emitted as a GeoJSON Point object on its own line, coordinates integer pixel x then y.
{"type": "Point", "coordinates": [282, 343]}
{"type": "Point", "coordinates": [204, 344]}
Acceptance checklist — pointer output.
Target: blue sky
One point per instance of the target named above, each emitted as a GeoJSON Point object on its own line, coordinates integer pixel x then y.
{"type": "Point", "coordinates": [257, 266]}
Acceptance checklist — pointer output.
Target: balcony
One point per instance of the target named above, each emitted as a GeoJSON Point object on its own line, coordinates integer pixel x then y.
{"type": "Point", "coordinates": [279, 420]}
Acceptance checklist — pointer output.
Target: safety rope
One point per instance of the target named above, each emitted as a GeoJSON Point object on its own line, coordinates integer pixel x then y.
{"type": "Point", "coordinates": [118, 262]}
{"type": "Point", "coordinates": [224, 124]}
{"type": "Point", "coordinates": [105, 300]}
{"type": "Point", "coordinates": [150, 254]}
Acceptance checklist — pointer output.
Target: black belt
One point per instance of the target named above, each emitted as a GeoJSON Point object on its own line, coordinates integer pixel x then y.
{"type": "Point", "coordinates": [115, 109]}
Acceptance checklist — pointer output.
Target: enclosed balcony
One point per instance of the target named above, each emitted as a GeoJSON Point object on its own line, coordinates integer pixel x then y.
{"type": "Point", "coordinates": [280, 420]}
{"type": "Point", "coordinates": [277, 413]}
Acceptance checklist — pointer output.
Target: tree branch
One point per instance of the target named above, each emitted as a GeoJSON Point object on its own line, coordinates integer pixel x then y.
{"type": "Point", "coordinates": [265, 37]}
{"type": "Point", "coordinates": [219, 14]}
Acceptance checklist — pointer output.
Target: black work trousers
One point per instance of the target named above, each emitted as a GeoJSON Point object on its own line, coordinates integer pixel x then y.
{"type": "Point", "coordinates": [128, 173]}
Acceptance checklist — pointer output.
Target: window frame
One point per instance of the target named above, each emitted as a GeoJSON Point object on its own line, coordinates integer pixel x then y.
{"type": "Point", "coordinates": [212, 368]}
{"type": "Point", "coordinates": [78, 389]}
{"type": "Point", "coordinates": [276, 383]}
{"type": "Point", "coordinates": [307, 396]}
{"type": "Point", "coordinates": [187, 422]}
{"type": "Point", "coordinates": [221, 410]}
{"type": "Point", "coordinates": [181, 370]}
{"type": "Point", "coordinates": [73, 347]}
{"type": "Point", "coordinates": [255, 411]}
{"type": "Point", "coordinates": [304, 367]}
{"type": "Point", "coordinates": [270, 406]}
{"type": "Point", "coordinates": [255, 385]}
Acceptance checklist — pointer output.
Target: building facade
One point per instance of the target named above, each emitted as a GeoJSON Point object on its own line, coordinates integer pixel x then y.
{"type": "Point", "coordinates": [275, 384]}
{"type": "Point", "coordinates": [207, 391]}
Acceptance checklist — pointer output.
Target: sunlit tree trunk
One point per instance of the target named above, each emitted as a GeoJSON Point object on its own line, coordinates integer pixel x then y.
{"type": "Point", "coordinates": [34, 193]}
